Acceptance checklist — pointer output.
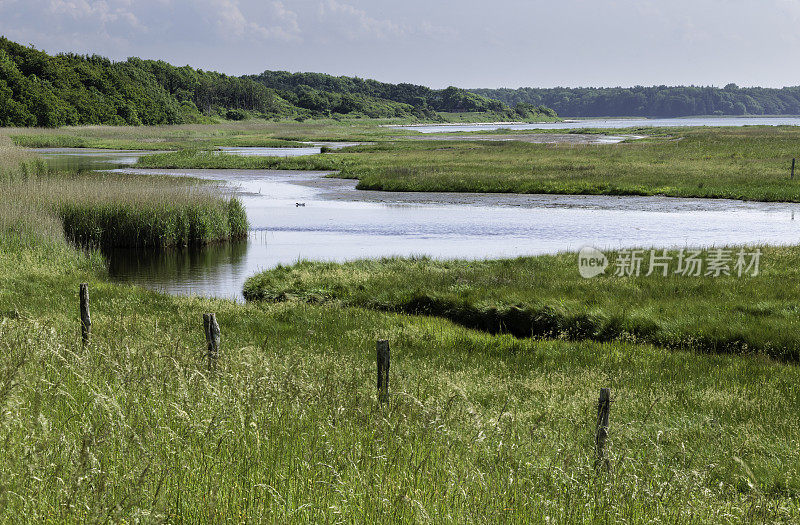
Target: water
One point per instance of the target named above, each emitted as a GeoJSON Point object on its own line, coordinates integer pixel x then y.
{"type": "Point", "coordinates": [98, 159]}
{"type": "Point", "coordinates": [339, 223]}
{"type": "Point", "coordinates": [313, 149]}
{"type": "Point", "coordinates": [90, 159]}
{"type": "Point", "coordinates": [612, 123]}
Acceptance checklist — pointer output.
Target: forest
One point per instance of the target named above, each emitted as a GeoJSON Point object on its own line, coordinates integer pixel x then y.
{"type": "Point", "coordinates": [38, 89]}
{"type": "Point", "coordinates": [655, 101]}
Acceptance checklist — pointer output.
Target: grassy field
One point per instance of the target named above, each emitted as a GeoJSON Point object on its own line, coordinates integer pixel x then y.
{"type": "Point", "coordinates": [741, 163]}
{"type": "Point", "coordinates": [480, 427]}
{"type": "Point", "coordinates": [545, 296]}
{"type": "Point", "coordinates": [249, 133]}
{"type": "Point", "coordinates": [750, 163]}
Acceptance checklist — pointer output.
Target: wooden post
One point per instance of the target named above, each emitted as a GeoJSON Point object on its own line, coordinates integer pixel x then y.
{"type": "Point", "coordinates": [383, 371]}
{"type": "Point", "coordinates": [86, 320]}
{"type": "Point", "coordinates": [792, 175]}
{"type": "Point", "coordinates": [211, 329]}
{"type": "Point", "coordinates": [603, 409]}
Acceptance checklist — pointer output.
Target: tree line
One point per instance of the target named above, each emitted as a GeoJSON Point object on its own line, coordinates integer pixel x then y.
{"type": "Point", "coordinates": [655, 101]}
{"type": "Point", "coordinates": [323, 93]}
{"type": "Point", "coordinates": [38, 89]}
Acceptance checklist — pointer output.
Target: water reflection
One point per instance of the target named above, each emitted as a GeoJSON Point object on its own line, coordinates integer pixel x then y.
{"type": "Point", "coordinates": [210, 271]}
{"type": "Point", "coordinates": [85, 159]}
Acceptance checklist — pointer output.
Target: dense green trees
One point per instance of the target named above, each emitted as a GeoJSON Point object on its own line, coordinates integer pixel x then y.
{"type": "Point", "coordinates": [656, 101]}
{"type": "Point", "coordinates": [37, 89]}
{"type": "Point", "coordinates": [395, 99]}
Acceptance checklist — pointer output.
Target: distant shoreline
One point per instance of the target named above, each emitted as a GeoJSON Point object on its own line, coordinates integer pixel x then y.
{"type": "Point", "coordinates": [509, 123]}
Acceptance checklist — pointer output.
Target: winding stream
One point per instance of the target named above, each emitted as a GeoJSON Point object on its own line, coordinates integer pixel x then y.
{"type": "Point", "coordinates": [338, 223]}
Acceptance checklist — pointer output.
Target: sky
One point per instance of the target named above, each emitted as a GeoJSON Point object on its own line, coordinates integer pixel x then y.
{"type": "Point", "coordinates": [466, 43]}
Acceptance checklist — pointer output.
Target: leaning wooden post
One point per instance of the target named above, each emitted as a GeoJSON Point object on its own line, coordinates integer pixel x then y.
{"type": "Point", "coordinates": [383, 371]}
{"type": "Point", "coordinates": [86, 320]}
{"type": "Point", "coordinates": [792, 175]}
{"type": "Point", "coordinates": [603, 409]}
{"type": "Point", "coordinates": [211, 329]}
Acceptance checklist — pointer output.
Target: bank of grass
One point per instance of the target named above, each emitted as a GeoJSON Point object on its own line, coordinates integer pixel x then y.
{"type": "Point", "coordinates": [112, 210]}
{"type": "Point", "coordinates": [546, 297]}
{"type": "Point", "coordinates": [71, 141]}
{"type": "Point", "coordinates": [195, 159]}
{"type": "Point", "coordinates": [136, 219]}
{"type": "Point", "coordinates": [479, 428]}
{"type": "Point", "coordinates": [252, 133]}
{"type": "Point", "coordinates": [747, 163]}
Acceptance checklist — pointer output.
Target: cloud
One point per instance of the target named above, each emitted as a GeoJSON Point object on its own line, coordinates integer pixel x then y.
{"type": "Point", "coordinates": [355, 24]}
{"type": "Point", "coordinates": [231, 23]}
{"type": "Point", "coordinates": [468, 42]}
{"type": "Point", "coordinates": [165, 21]}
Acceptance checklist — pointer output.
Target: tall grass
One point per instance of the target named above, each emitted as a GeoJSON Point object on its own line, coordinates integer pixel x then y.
{"type": "Point", "coordinates": [479, 428]}
{"type": "Point", "coordinates": [546, 297]}
{"type": "Point", "coordinates": [112, 210]}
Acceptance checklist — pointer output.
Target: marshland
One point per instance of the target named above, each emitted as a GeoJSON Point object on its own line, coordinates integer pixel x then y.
{"type": "Point", "coordinates": [483, 423]}
{"type": "Point", "coordinates": [459, 250]}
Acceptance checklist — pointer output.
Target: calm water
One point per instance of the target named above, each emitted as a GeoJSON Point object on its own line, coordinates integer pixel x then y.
{"type": "Point", "coordinates": [340, 223]}
{"type": "Point", "coordinates": [613, 123]}
{"type": "Point", "coordinates": [99, 159]}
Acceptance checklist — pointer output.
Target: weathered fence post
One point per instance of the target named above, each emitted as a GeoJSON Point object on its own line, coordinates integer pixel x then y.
{"type": "Point", "coordinates": [383, 371]}
{"type": "Point", "coordinates": [792, 175]}
{"type": "Point", "coordinates": [212, 339]}
{"type": "Point", "coordinates": [86, 320]}
{"type": "Point", "coordinates": [603, 409]}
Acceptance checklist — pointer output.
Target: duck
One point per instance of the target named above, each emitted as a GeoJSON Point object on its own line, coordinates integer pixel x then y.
{"type": "Point", "coordinates": [298, 204]}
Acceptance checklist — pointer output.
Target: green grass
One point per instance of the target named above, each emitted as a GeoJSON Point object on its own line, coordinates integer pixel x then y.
{"type": "Point", "coordinates": [546, 297]}
{"type": "Point", "coordinates": [254, 133]}
{"type": "Point", "coordinates": [113, 210]}
{"type": "Point", "coordinates": [741, 163]}
{"type": "Point", "coordinates": [749, 163]}
{"type": "Point", "coordinates": [192, 159]}
{"type": "Point", "coordinates": [137, 223]}
{"type": "Point", "coordinates": [71, 141]}
{"type": "Point", "coordinates": [479, 428]}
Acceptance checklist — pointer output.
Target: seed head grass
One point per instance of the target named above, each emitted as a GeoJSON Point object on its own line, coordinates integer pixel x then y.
{"type": "Point", "coordinates": [112, 209]}
{"type": "Point", "coordinates": [288, 429]}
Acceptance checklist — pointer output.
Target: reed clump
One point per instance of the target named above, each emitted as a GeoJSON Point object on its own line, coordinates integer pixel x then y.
{"type": "Point", "coordinates": [112, 209]}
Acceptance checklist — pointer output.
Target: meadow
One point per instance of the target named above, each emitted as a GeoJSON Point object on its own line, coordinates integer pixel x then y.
{"type": "Point", "coordinates": [546, 297]}
{"type": "Point", "coordinates": [480, 427]}
{"type": "Point", "coordinates": [747, 163]}
{"type": "Point", "coordinates": [248, 133]}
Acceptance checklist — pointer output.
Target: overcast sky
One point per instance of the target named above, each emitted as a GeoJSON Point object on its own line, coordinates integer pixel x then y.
{"type": "Point", "coordinates": [468, 43]}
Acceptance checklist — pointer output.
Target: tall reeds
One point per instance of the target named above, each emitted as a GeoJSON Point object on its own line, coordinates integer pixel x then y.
{"type": "Point", "coordinates": [111, 210]}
